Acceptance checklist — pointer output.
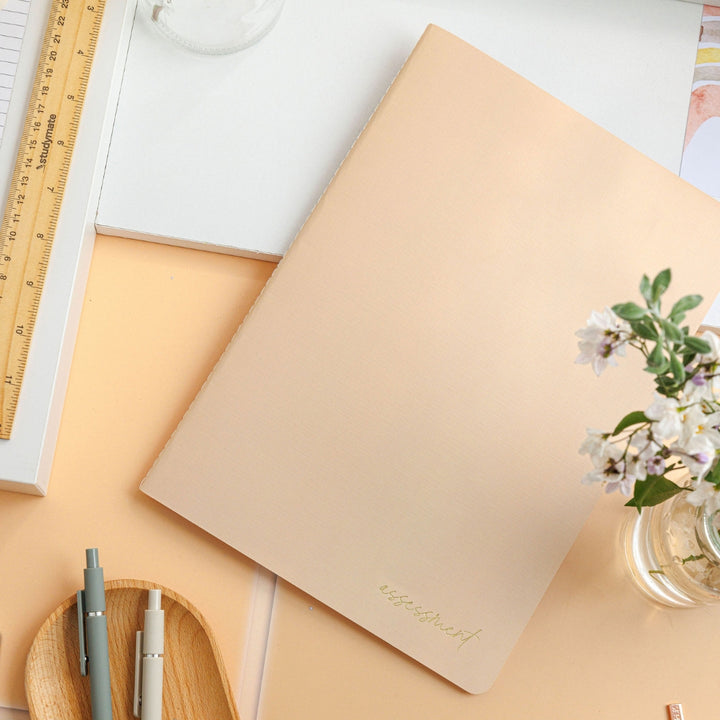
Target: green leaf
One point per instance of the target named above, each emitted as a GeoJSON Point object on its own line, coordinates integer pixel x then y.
{"type": "Point", "coordinates": [634, 418]}
{"type": "Point", "coordinates": [645, 329]}
{"type": "Point", "coordinates": [653, 491]}
{"type": "Point", "coordinates": [656, 358]}
{"type": "Point", "coordinates": [629, 311]}
{"type": "Point", "coordinates": [672, 331]}
{"type": "Point", "coordinates": [697, 345]}
{"type": "Point", "coordinates": [714, 475]}
{"type": "Point", "coordinates": [660, 284]}
{"type": "Point", "coordinates": [667, 386]}
{"type": "Point", "coordinates": [645, 288]}
{"type": "Point", "coordinates": [659, 369]}
{"type": "Point", "coordinates": [686, 303]}
{"type": "Point", "coordinates": [676, 368]}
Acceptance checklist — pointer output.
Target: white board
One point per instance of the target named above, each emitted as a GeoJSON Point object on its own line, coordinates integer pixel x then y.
{"type": "Point", "coordinates": [231, 153]}
{"type": "Point", "coordinates": [26, 458]}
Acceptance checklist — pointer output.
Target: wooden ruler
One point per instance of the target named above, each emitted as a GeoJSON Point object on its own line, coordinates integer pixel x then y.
{"type": "Point", "coordinates": [38, 183]}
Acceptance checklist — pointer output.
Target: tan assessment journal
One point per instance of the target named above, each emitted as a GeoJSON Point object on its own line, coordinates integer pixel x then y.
{"type": "Point", "coordinates": [394, 428]}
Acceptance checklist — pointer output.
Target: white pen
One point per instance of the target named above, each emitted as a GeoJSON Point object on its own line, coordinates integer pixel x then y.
{"type": "Point", "coordinates": [149, 649]}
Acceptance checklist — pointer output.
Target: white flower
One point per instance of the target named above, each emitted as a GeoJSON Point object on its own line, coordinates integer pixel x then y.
{"type": "Point", "coordinates": [695, 421]}
{"type": "Point", "coordinates": [605, 335]}
{"type": "Point", "coordinates": [656, 465]}
{"type": "Point", "coordinates": [667, 417]}
{"type": "Point", "coordinates": [594, 445]}
{"type": "Point", "coordinates": [635, 468]}
{"type": "Point", "coordinates": [714, 355]}
{"type": "Point", "coordinates": [705, 384]}
{"type": "Point", "coordinates": [623, 483]}
{"type": "Point", "coordinates": [698, 455]}
{"type": "Point", "coordinates": [702, 386]}
{"type": "Point", "coordinates": [706, 494]}
{"type": "Point", "coordinates": [646, 445]}
{"type": "Point", "coordinates": [610, 470]}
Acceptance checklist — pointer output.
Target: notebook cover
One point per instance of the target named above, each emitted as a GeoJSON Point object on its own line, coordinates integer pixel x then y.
{"type": "Point", "coordinates": [395, 427]}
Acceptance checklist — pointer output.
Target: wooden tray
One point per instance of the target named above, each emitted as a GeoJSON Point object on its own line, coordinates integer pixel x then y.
{"type": "Point", "coordinates": [195, 684]}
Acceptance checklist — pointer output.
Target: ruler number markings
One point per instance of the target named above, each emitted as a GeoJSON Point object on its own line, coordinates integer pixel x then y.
{"type": "Point", "coordinates": [31, 214]}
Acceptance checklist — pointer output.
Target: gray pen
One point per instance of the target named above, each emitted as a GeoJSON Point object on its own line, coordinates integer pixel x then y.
{"type": "Point", "coordinates": [93, 635]}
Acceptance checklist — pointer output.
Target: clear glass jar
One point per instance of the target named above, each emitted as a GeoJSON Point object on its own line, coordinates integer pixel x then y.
{"type": "Point", "coordinates": [213, 27]}
{"type": "Point", "coordinates": [673, 553]}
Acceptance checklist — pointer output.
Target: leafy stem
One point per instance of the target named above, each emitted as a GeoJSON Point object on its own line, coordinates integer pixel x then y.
{"type": "Point", "coordinates": [673, 348]}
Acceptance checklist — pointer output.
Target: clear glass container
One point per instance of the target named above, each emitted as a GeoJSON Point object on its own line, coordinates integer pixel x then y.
{"type": "Point", "coordinates": [673, 553]}
{"type": "Point", "coordinates": [213, 27]}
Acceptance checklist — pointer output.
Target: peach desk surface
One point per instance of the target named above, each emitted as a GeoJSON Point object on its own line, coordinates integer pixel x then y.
{"type": "Point", "coordinates": [155, 319]}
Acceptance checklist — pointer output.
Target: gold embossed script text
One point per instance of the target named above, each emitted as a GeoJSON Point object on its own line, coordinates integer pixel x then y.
{"type": "Point", "coordinates": [431, 618]}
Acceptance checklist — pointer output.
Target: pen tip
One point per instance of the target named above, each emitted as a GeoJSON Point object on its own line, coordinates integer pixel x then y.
{"type": "Point", "coordinates": [153, 599]}
{"type": "Point", "coordinates": [91, 556]}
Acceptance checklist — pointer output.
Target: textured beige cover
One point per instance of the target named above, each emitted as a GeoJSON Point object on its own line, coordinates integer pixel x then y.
{"type": "Point", "coordinates": [394, 428]}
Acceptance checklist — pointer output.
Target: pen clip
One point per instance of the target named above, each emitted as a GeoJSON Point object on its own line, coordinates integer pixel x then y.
{"type": "Point", "coordinates": [137, 694]}
{"type": "Point", "coordinates": [81, 632]}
